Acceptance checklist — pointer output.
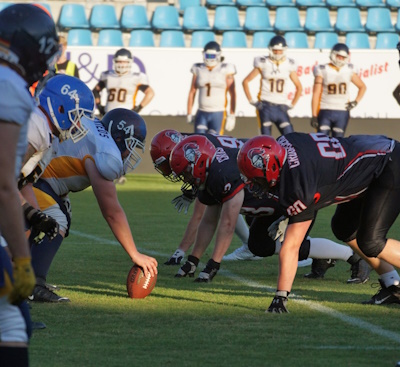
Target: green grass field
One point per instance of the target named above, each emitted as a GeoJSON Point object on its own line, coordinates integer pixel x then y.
{"type": "Point", "coordinates": [183, 323]}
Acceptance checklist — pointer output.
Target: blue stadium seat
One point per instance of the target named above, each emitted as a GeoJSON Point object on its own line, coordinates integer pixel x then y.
{"type": "Point", "coordinates": [317, 20]}
{"type": "Point", "coordinates": [397, 24]}
{"type": "Point", "coordinates": [172, 39]}
{"type": "Point", "coordinates": [273, 4]}
{"type": "Point", "coordinates": [184, 4]}
{"type": "Point", "coordinates": [234, 39]}
{"type": "Point", "coordinates": [296, 39]}
{"type": "Point", "coordinates": [201, 38]}
{"type": "Point", "coordinates": [141, 38]}
{"type": "Point", "coordinates": [334, 4]}
{"type": "Point", "coordinates": [195, 18]}
{"type": "Point", "coordinates": [356, 40]}
{"type": "Point", "coordinates": [73, 16]}
{"type": "Point", "coordinates": [386, 40]}
{"type": "Point", "coordinates": [242, 4]}
{"type": "Point", "coordinates": [213, 4]}
{"type": "Point", "coordinates": [379, 20]}
{"type": "Point", "coordinates": [110, 37]}
{"type": "Point", "coordinates": [287, 20]}
{"type": "Point", "coordinates": [348, 20]}
{"type": "Point", "coordinates": [326, 39]}
{"type": "Point", "coordinates": [393, 5]}
{"type": "Point", "coordinates": [134, 17]}
{"type": "Point", "coordinates": [257, 19]}
{"type": "Point", "coordinates": [364, 4]}
{"type": "Point", "coordinates": [302, 4]}
{"type": "Point", "coordinates": [226, 18]}
{"type": "Point", "coordinates": [165, 17]}
{"type": "Point", "coordinates": [80, 37]}
{"type": "Point", "coordinates": [261, 39]}
{"type": "Point", "coordinates": [103, 16]}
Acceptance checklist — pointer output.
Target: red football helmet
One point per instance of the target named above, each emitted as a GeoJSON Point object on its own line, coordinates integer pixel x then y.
{"type": "Point", "coordinates": [260, 160]}
{"type": "Point", "coordinates": [160, 150]}
{"type": "Point", "coordinates": [191, 158]}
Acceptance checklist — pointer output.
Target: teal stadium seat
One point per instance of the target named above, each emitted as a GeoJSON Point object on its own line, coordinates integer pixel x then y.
{"type": "Point", "coordinates": [357, 40]}
{"type": "Point", "coordinates": [273, 4]}
{"type": "Point", "coordinates": [134, 17]}
{"type": "Point", "coordinates": [226, 18]}
{"type": "Point", "coordinates": [141, 38]}
{"type": "Point", "coordinates": [73, 16]}
{"type": "Point", "coordinates": [287, 20]}
{"type": "Point", "coordinates": [325, 40]}
{"type": "Point", "coordinates": [261, 39]}
{"type": "Point", "coordinates": [213, 4]}
{"type": "Point", "coordinates": [334, 4]}
{"type": "Point", "coordinates": [234, 39]}
{"type": "Point", "coordinates": [80, 37]}
{"type": "Point", "coordinates": [172, 39]}
{"type": "Point", "coordinates": [201, 38]}
{"type": "Point", "coordinates": [195, 18]}
{"type": "Point", "coordinates": [303, 4]}
{"type": "Point", "coordinates": [393, 5]}
{"type": "Point", "coordinates": [242, 4]}
{"type": "Point", "coordinates": [296, 39]}
{"type": "Point", "coordinates": [184, 4]}
{"type": "Point", "coordinates": [317, 20]}
{"type": "Point", "coordinates": [365, 4]}
{"type": "Point", "coordinates": [110, 37]}
{"type": "Point", "coordinates": [164, 18]}
{"type": "Point", "coordinates": [103, 16]}
{"type": "Point", "coordinates": [397, 24]}
{"type": "Point", "coordinates": [348, 20]}
{"type": "Point", "coordinates": [257, 20]}
{"type": "Point", "coordinates": [386, 40]}
{"type": "Point", "coordinates": [379, 20]}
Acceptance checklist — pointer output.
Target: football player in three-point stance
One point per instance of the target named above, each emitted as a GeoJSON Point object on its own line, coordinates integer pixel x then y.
{"type": "Point", "coordinates": [214, 79]}
{"type": "Point", "coordinates": [331, 103]}
{"type": "Point", "coordinates": [275, 71]}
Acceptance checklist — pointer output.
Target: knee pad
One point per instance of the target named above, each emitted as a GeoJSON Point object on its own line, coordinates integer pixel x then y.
{"type": "Point", "coordinates": [341, 231]}
{"type": "Point", "coordinates": [371, 246]}
{"type": "Point", "coordinates": [12, 323]}
{"type": "Point", "coordinates": [304, 249]}
{"type": "Point", "coordinates": [263, 248]}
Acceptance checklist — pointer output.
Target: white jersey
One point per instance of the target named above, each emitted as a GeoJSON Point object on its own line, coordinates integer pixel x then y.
{"type": "Point", "coordinates": [122, 89]}
{"type": "Point", "coordinates": [66, 171]}
{"type": "Point", "coordinates": [212, 86]}
{"type": "Point", "coordinates": [274, 78]}
{"type": "Point", "coordinates": [335, 85]}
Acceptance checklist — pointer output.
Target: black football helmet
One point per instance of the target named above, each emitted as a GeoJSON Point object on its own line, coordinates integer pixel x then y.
{"type": "Point", "coordinates": [277, 43]}
{"type": "Point", "coordinates": [128, 129]}
{"type": "Point", "coordinates": [28, 40]}
{"type": "Point", "coordinates": [342, 50]}
{"type": "Point", "coordinates": [123, 61]}
{"type": "Point", "coordinates": [212, 54]}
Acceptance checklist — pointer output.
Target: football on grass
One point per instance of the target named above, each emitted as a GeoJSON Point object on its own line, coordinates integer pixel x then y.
{"type": "Point", "coordinates": [137, 284]}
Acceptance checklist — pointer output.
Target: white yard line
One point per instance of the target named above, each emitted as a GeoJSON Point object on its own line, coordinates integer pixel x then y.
{"type": "Point", "coordinates": [353, 321]}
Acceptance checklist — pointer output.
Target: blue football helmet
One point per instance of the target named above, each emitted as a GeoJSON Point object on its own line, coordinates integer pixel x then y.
{"type": "Point", "coordinates": [277, 43]}
{"type": "Point", "coordinates": [342, 50]}
{"type": "Point", "coordinates": [68, 102]}
{"type": "Point", "coordinates": [128, 129]}
{"type": "Point", "coordinates": [28, 40]}
{"type": "Point", "coordinates": [212, 54]}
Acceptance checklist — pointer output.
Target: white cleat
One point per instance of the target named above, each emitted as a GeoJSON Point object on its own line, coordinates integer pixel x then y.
{"type": "Point", "coordinates": [241, 253]}
{"type": "Point", "coordinates": [304, 263]}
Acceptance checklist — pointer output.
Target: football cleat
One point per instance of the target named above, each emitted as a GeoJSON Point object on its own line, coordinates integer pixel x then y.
{"type": "Point", "coordinates": [385, 295]}
{"type": "Point", "coordinates": [359, 272]}
{"type": "Point", "coordinates": [38, 325]}
{"type": "Point", "coordinates": [319, 268]}
{"type": "Point", "coordinates": [187, 269]}
{"type": "Point", "coordinates": [43, 294]}
{"type": "Point", "coordinates": [207, 275]}
{"type": "Point", "coordinates": [241, 253]}
{"type": "Point", "coordinates": [176, 258]}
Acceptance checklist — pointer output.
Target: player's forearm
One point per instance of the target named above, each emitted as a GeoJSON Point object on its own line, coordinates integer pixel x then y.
{"type": "Point", "coordinates": [148, 96]}
{"type": "Point", "coordinates": [204, 236]}
{"type": "Point", "coordinates": [222, 242]}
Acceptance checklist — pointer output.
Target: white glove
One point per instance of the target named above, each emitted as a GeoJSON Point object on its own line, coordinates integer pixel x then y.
{"type": "Point", "coordinates": [230, 122]}
{"type": "Point", "coordinates": [277, 229]}
{"type": "Point", "coordinates": [257, 104]}
{"type": "Point", "coordinates": [182, 202]}
{"type": "Point", "coordinates": [189, 119]}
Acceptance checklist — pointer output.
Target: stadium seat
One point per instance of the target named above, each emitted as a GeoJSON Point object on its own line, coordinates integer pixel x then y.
{"type": "Point", "coordinates": [103, 16]}
{"type": "Point", "coordinates": [287, 20]}
{"type": "Point", "coordinates": [165, 17]}
{"type": "Point", "coordinates": [326, 39]}
{"type": "Point", "coordinates": [4, 5]}
{"type": "Point", "coordinates": [226, 18]}
{"type": "Point", "coordinates": [172, 39]}
{"type": "Point", "coordinates": [184, 4]}
{"type": "Point", "coordinates": [141, 38]}
{"type": "Point", "coordinates": [334, 4]}
{"type": "Point", "coordinates": [303, 4]}
{"type": "Point", "coordinates": [296, 39]}
{"type": "Point", "coordinates": [73, 16]}
{"type": "Point", "coordinates": [393, 5]}
{"type": "Point", "coordinates": [386, 40]}
{"type": "Point", "coordinates": [134, 17]}
{"type": "Point", "coordinates": [195, 18]}
{"type": "Point", "coordinates": [356, 40]}
{"type": "Point", "coordinates": [213, 4]}
{"type": "Point", "coordinates": [257, 19]}
{"type": "Point", "coordinates": [110, 37]}
{"type": "Point", "coordinates": [201, 38]}
{"type": "Point", "coordinates": [348, 20]}
{"type": "Point", "coordinates": [379, 20]}
{"type": "Point", "coordinates": [364, 4]}
{"type": "Point", "coordinates": [242, 4]}
{"type": "Point", "coordinates": [397, 24]}
{"type": "Point", "coordinates": [234, 39]}
{"type": "Point", "coordinates": [273, 4]}
{"type": "Point", "coordinates": [80, 37]}
{"type": "Point", "coordinates": [261, 39]}
{"type": "Point", "coordinates": [317, 20]}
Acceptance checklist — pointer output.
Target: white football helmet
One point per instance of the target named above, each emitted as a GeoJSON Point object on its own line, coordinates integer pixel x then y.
{"type": "Point", "coordinates": [277, 43]}
{"type": "Point", "coordinates": [122, 61]}
{"type": "Point", "coordinates": [342, 50]}
{"type": "Point", "coordinates": [212, 54]}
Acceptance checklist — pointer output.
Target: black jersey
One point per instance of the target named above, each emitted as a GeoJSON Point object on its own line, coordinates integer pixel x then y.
{"type": "Point", "coordinates": [320, 171]}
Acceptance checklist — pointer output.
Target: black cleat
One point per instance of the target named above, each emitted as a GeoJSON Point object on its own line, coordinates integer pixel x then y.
{"type": "Point", "coordinates": [43, 294]}
{"type": "Point", "coordinates": [319, 268]}
{"type": "Point", "coordinates": [176, 258]}
{"type": "Point", "coordinates": [206, 276]}
{"type": "Point", "coordinates": [38, 325]}
{"type": "Point", "coordinates": [359, 272]}
{"type": "Point", "coordinates": [187, 269]}
{"type": "Point", "coordinates": [385, 296]}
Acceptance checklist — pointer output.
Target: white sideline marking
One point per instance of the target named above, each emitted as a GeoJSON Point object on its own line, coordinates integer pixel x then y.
{"type": "Point", "coordinates": [310, 304]}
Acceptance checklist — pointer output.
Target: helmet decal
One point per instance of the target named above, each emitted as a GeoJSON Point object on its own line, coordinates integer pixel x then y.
{"type": "Point", "coordinates": [258, 158]}
{"type": "Point", "coordinates": [191, 152]}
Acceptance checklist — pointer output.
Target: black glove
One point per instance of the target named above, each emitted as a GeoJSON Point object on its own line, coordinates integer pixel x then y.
{"type": "Point", "coordinates": [279, 302]}
{"type": "Point", "coordinates": [314, 122]}
{"type": "Point", "coordinates": [137, 108]}
{"type": "Point", "coordinates": [40, 223]}
{"type": "Point", "coordinates": [101, 109]}
{"type": "Point", "coordinates": [351, 105]}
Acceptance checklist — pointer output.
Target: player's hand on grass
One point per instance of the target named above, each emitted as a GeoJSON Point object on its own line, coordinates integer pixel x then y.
{"type": "Point", "coordinates": [24, 280]}
{"type": "Point", "coordinates": [278, 304]}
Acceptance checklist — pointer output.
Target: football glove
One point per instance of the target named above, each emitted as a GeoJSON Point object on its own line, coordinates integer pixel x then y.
{"type": "Point", "coordinates": [189, 119]}
{"type": "Point", "coordinates": [257, 104]}
{"type": "Point", "coordinates": [137, 108]}
{"type": "Point", "coordinates": [278, 228]}
{"type": "Point", "coordinates": [24, 280]}
{"type": "Point", "coordinates": [182, 202]}
{"type": "Point", "coordinates": [279, 302]}
{"type": "Point", "coordinates": [176, 258]}
{"type": "Point", "coordinates": [314, 122]}
{"type": "Point", "coordinates": [351, 105]}
{"type": "Point", "coordinates": [230, 122]}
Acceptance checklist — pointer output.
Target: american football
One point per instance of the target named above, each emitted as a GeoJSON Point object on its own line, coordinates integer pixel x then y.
{"type": "Point", "coordinates": [137, 285]}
